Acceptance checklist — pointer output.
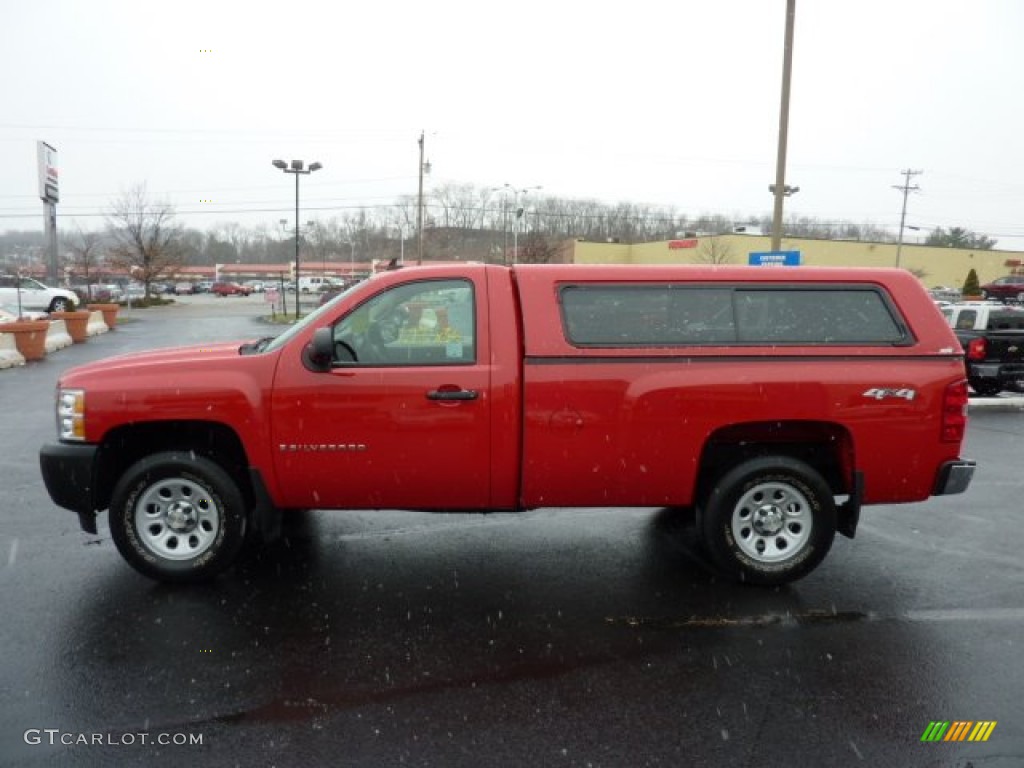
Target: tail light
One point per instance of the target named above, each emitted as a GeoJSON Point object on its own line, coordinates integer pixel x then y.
{"type": "Point", "coordinates": [977, 349]}
{"type": "Point", "coordinates": [954, 412]}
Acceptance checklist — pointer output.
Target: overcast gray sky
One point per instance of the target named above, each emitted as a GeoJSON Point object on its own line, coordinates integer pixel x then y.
{"type": "Point", "coordinates": [645, 101]}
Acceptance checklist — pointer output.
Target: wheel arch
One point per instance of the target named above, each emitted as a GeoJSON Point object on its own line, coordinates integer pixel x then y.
{"type": "Point", "coordinates": [827, 447]}
{"type": "Point", "coordinates": [125, 445]}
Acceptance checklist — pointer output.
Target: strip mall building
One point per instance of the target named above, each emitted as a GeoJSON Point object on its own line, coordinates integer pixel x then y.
{"type": "Point", "coordinates": [933, 265]}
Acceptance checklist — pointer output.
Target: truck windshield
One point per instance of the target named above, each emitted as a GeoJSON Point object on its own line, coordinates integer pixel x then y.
{"type": "Point", "coordinates": [312, 317]}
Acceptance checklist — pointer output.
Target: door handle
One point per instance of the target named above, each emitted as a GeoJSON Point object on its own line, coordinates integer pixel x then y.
{"type": "Point", "coordinates": [447, 395]}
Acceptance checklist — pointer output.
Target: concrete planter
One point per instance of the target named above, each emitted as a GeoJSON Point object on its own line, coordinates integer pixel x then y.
{"type": "Point", "coordinates": [77, 323]}
{"type": "Point", "coordinates": [29, 336]}
{"type": "Point", "coordinates": [109, 313]}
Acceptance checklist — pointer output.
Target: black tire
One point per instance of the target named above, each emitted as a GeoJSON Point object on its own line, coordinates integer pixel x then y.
{"type": "Point", "coordinates": [985, 387]}
{"type": "Point", "coordinates": [178, 517]}
{"type": "Point", "coordinates": [769, 521]}
{"type": "Point", "coordinates": [61, 304]}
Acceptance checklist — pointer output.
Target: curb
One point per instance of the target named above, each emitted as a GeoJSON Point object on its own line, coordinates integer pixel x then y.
{"type": "Point", "coordinates": [1012, 403]}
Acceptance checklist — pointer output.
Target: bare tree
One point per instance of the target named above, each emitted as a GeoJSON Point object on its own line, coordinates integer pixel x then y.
{"type": "Point", "coordinates": [537, 249]}
{"type": "Point", "coordinates": [323, 241]}
{"type": "Point", "coordinates": [458, 205]}
{"type": "Point", "coordinates": [147, 242]}
{"type": "Point", "coordinates": [85, 250]}
{"type": "Point", "coordinates": [714, 251]}
{"type": "Point", "coordinates": [234, 233]}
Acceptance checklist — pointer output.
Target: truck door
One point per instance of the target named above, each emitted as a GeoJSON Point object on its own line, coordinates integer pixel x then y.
{"type": "Point", "coordinates": [402, 419]}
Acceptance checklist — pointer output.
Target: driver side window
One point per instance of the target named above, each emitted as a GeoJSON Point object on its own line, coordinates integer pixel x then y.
{"type": "Point", "coordinates": [432, 322]}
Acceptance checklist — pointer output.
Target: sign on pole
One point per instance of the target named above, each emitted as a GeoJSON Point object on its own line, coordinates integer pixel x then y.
{"type": "Point", "coordinates": [47, 157]}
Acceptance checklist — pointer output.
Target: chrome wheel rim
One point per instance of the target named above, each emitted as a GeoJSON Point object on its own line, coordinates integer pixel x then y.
{"type": "Point", "coordinates": [176, 519]}
{"type": "Point", "coordinates": [772, 522]}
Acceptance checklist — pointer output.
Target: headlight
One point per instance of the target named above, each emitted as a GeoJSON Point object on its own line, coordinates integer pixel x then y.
{"type": "Point", "coordinates": [71, 414]}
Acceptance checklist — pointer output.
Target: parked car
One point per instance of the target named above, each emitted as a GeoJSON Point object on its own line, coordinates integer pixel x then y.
{"type": "Point", "coordinates": [328, 292]}
{"type": "Point", "coordinates": [945, 293]}
{"type": "Point", "coordinates": [32, 295]}
{"type": "Point", "coordinates": [203, 286]}
{"type": "Point", "coordinates": [136, 291]}
{"type": "Point", "coordinates": [226, 288]}
{"type": "Point", "coordinates": [255, 286]}
{"type": "Point", "coordinates": [183, 289]}
{"type": "Point", "coordinates": [326, 296]}
{"type": "Point", "coordinates": [114, 292]}
{"type": "Point", "coordinates": [100, 293]}
{"type": "Point", "coordinates": [9, 314]}
{"type": "Point", "coordinates": [1009, 288]}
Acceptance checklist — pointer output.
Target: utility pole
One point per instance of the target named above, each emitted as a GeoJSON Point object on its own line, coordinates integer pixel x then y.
{"type": "Point", "coordinates": [419, 210]}
{"type": "Point", "coordinates": [779, 188]}
{"type": "Point", "coordinates": [906, 188]}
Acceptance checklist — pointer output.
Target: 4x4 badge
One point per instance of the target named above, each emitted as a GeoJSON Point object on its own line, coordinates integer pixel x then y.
{"type": "Point", "coordinates": [881, 393]}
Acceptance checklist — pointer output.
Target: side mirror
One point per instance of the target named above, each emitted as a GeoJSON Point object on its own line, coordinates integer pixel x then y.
{"type": "Point", "coordinates": [319, 353]}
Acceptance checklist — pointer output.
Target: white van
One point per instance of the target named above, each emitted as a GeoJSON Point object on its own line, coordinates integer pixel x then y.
{"type": "Point", "coordinates": [315, 284]}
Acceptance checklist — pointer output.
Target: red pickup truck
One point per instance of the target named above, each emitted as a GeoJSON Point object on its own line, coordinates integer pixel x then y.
{"type": "Point", "coordinates": [773, 402]}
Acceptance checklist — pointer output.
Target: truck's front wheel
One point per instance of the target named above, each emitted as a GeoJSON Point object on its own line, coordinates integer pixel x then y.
{"type": "Point", "coordinates": [177, 517]}
{"type": "Point", "coordinates": [769, 520]}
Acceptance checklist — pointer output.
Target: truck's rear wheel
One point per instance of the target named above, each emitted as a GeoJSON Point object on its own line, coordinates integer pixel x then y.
{"type": "Point", "coordinates": [769, 520]}
{"type": "Point", "coordinates": [177, 517]}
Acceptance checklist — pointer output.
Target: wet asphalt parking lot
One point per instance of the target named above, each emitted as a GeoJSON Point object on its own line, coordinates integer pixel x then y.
{"type": "Point", "coordinates": [593, 637]}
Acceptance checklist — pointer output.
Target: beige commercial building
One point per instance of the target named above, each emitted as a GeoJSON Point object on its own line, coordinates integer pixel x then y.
{"type": "Point", "coordinates": [934, 266]}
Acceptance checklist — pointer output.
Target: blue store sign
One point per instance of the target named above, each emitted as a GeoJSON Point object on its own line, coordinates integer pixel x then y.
{"type": "Point", "coordinates": [775, 259]}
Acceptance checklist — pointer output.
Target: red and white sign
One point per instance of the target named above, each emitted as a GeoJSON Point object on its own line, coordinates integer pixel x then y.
{"type": "Point", "coordinates": [677, 244]}
{"type": "Point", "coordinates": [47, 157]}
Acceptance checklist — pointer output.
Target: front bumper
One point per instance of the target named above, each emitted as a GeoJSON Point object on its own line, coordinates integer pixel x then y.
{"type": "Point", "coordinates": [69, 473]}
{"type": "Point", "coordinates": [954, 477]}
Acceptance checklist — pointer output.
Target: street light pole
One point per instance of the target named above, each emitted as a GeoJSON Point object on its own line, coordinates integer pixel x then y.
{"type": "Point", "coordinates": [424, 168]}
{"type": "Point", "coordinates": [517, 191]}
{"type": "Point", "coordinates": [297, 168]}
{"type": "Point", "coordinates": [296, 245]}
